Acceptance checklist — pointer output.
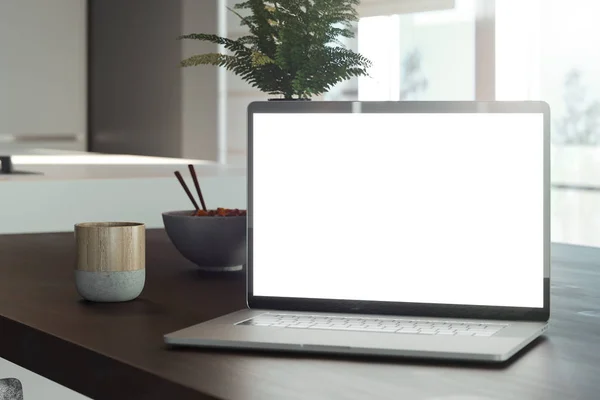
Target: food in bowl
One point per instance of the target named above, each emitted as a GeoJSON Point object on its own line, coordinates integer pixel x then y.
{"type": "Point", "coordinates": [221, 212]}
{"type": "Point", "coordinates": [204, 212]}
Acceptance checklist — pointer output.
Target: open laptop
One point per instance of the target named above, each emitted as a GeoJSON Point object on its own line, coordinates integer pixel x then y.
{"type": "Point", "coordinates": [412, 229]}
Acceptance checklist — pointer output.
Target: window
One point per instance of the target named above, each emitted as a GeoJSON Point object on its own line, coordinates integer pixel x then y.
{"type": "Point", "coordinates": [387, 45]}
{"type": "Point", "coordinates": [486, 50]}
{"type": "Point", "coordinates": [420, 56]}
{"type": "Point", "coordinates": [545, 50]}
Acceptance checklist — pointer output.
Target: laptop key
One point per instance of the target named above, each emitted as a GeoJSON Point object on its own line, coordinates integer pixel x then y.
{"type": "Point", "coordinates": [355, 328]}
{"type": "Point", "coordinates": [406, 330]}
{"type": "Point", "coordinates": [370, 330]}
{"type": "Point", "coordinates": [389, 329]}
{"type": "Point", "coordinates": [424, 326]}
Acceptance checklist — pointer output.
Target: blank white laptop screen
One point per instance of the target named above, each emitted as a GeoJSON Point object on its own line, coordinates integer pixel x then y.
{"type": "Point", "coordinates": [405, 207]}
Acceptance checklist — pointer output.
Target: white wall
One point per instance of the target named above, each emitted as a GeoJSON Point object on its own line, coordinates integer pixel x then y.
{"type": "Point", "coordinates": [43, 69]}
{"type": "Point", "coordinates": [239, 94]}
{"type": "Point", "coordinates": [142, 101]}
{"type": "Point", "coordinates": [135, 85]}
{"type": "Point", "coordinates": [200, 90]}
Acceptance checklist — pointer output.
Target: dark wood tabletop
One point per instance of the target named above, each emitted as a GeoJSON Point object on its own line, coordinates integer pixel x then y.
{"type": "Point", "coordinates": [113, 351]}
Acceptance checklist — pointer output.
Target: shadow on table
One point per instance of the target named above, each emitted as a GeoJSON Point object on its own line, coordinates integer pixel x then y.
{"type": "Point", "coordinates": [197, 274]}
{"type": "Point", "coordinates": [138, 306]}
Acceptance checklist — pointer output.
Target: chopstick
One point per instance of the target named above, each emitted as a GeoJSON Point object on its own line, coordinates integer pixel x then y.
{"type": "Point", "coordinates": [187, 190]}
{"type": "Point", "coordinates": [197, 184]}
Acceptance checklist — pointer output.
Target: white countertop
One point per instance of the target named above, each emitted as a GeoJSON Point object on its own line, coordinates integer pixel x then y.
{"type": "Point", "coordinates": [101, 166]}
{"type": "Point", "coordinates": [72, 188]}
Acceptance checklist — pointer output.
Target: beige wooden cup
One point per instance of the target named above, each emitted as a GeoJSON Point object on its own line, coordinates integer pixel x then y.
{"type": "Point", "coordinates": [111, 260]}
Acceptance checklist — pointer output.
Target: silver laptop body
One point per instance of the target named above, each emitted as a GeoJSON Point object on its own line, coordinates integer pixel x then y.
{"type": "Point", "coordinates": [405, 229]}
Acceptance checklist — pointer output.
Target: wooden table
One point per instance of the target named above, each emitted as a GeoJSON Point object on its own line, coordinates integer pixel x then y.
{"type": "Point", "coordinates": [115, 351]}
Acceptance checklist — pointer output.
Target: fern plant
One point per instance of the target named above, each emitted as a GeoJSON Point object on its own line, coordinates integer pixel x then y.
{"type": "Point", "coordinates": [293, 47]}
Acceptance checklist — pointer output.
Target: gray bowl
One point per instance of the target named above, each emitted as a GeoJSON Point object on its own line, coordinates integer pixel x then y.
{"type": "Point", "coordinates": [212, 243]}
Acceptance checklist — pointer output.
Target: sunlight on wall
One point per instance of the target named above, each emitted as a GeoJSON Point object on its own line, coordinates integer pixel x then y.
{"type": "Point", "coordinates": [379, 41]}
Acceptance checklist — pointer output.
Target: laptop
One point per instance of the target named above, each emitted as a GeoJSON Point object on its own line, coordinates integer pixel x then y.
{"type": "Point", "coordinates": [400, 229]}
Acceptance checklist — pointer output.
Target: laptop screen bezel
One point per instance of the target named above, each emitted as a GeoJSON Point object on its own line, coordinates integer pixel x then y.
{"type": "Point", "coordinates": [402, 308]}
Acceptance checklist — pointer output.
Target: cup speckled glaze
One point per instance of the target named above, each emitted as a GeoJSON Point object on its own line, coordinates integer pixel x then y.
{"type": "Point", "coordinates": [111, 260]}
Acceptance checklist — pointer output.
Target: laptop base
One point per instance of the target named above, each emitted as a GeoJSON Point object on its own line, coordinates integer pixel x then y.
{"type": "Point", "coordinates": [223, 333]}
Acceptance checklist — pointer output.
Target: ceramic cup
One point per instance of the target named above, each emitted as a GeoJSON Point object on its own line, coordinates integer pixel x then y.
{"type": "Point", "coordinates": [111, 260]}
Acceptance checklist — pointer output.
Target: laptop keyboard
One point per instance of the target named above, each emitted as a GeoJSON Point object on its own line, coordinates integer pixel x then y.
{"type": "Point", "coordinates": [385, 325]}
